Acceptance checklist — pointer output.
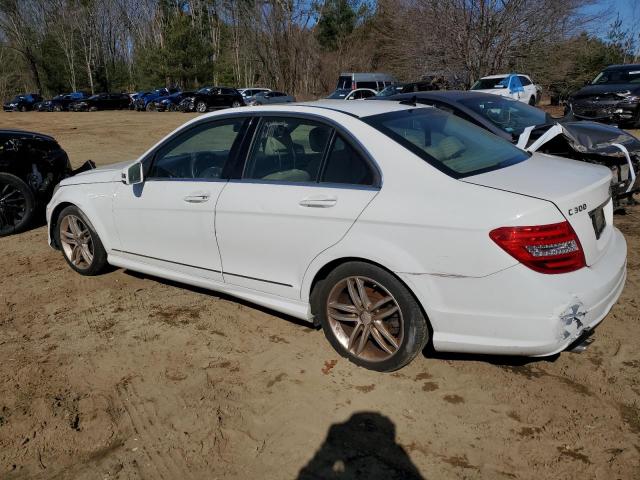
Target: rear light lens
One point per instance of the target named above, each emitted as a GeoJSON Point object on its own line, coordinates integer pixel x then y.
{"type": "Point", "coordinates": [551, 248]}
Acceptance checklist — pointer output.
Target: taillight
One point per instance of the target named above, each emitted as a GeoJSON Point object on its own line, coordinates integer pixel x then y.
{"type": "Point", "coordinates": [544, 248]}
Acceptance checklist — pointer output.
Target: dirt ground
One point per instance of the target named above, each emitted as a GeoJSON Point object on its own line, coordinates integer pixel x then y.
{"type": "Point", "coordinates": [127, 376]}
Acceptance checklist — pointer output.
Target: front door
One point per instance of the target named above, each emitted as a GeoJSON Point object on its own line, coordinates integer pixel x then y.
{"type": "Point", "coordinates": [169, 220]}
{"type": "Point", "coordinates": [303, 187]}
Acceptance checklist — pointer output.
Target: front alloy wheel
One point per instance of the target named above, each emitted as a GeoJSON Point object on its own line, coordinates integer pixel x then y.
{"type": "Point", "coordinates": [369, 316]}
{"type": "Point", "coordinates": [80, 244]}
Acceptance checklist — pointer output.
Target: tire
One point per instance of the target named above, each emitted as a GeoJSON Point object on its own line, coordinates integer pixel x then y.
{"type": "Point", "coordinates": [79, 242]}
{"type": "Point", "coordinates": [404, 321]}
{"type": "Point", "coordinates": [23, 108]}
{"type": "Point", "coordinates": [17, 205]}
{"type": "Point", "coordinates": [57, 108]}
{"type": "Point", "coordinates": [93, 109]}
{"type": "Point", "coordinates": [201, 107]}
{"type": "Point", "coordinates": [172, 108]}
{"type": "Point", "coordinates": [150, 107]}
{"type": "Point", "coordinates": [235, 104]}
{"type": "Point", "coordinates": [532, 101]}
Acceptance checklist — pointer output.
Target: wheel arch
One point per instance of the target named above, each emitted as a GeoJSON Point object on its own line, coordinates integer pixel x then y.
{"type": "Point", "coordinates": [328, 267]}
{"type": "Point", "coordinates": [53, 222]}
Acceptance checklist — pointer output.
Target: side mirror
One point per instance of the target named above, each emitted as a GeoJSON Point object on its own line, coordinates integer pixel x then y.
{"type": "Point", "coordinates": [133, 174]}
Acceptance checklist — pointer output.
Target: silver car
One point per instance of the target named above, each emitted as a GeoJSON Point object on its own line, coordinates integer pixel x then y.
{"type": "Point", "coordinates": [267, 98]}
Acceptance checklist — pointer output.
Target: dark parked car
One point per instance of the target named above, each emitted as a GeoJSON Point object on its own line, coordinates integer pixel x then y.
{"type": "Point", "coordinates": [22, 103]}
{"type": "Point", "coordinates": [60, 103]}
{"type": "Point", "coordinates": [212, 98]}
{"type": "Point", "coordinates": [145, 101]}
{"type": "Point", "coordinates": [613, 96]}
{"type": "Point", "coordinates": [532, 129]}
{"type": "Point", "coordinates": [267, 98]}
{"type": "Point", "coordinates": [101, 101]}
{"type": "Point", "coordinates": [31, 165]}
{"type": "Point", "coordinates": [169, 103]}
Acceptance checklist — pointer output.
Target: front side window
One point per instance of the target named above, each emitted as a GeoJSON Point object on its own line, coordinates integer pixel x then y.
{"type": "Point", "coordinates": [489, 83]}
{"type": "Point", "coordinates": [450, 144]}
{"type": "Point", "coordinates": [200, 153]}
{"type": "Point", "coordinates": [287, 150]}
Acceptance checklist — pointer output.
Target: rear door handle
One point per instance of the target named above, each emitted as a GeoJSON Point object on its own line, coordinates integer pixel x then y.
{"type": "Point", "coordinates": [197, 197]}
{"type": "Point", "coordinates": [320, 201]}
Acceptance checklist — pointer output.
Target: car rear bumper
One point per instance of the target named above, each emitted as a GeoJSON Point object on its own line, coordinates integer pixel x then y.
{"type": "Point", "coordinates": [518, 311]}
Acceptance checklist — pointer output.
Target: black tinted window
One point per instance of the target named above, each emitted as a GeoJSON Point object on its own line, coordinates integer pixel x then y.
{"type": "Point", "coordinates": [373, 85]}
{"type": "Point", "coordinates": [200, 153]}
{"type": "Point", "coordinates": [288, 150]}
{"type": "Point", "coordinates": [345, 165]}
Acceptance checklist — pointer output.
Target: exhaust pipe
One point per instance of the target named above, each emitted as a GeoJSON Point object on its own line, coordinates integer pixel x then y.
{"type": "Point", "coordinates": [581, 345]}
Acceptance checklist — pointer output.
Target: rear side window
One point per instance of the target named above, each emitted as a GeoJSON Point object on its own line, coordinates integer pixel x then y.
{"type": "Point", "coordinates": [450, 144]}
{"type": "Point", "coordinates": [287, 150]}
{"type": "Point", "coordinates": [345, 165]}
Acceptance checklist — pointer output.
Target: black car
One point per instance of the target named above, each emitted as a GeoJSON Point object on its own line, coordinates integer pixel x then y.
{"type": "Point", "coordinates": [101, 101]}
{"type": "Point", "coordinates": [613, 96]}
{"type": "Point", "coordinates": [534, 130]}
{"type": "Point", "coordinates": [212, 98]}
{"type": "Point", "coordinates": [60, 103]}
{"type": "Point", "coordinates": [31, 165]}
{"type": "Point", "coordinates": [22, 103]}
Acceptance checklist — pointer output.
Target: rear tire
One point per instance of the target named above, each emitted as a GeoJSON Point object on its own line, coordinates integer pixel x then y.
{"type": "Point", "coordinates": [359, 301]}
{"type": "Point", "coordinates": [201, 107]}
{"type": "Point", "coordinates": [79, 242]}
{"type": "Point", "coordinates": [17, 205]}
{"type": "Point", "coordinates": [235, 104]}
{"type": "Point", "coordinates": [532, 101]}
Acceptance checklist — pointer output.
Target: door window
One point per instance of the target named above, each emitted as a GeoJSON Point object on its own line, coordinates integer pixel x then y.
{"type": "Point", "coordinates": [200, 153]}
{"type": "Point", "coordinates": [287, 150]}
{"type": "Point", "coordinates": [524, 80]}
{"type": "Point", "coordinates": [346, 165]}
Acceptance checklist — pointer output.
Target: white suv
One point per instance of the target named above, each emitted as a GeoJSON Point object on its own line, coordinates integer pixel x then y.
{"type": "Point", "coordinates": [514, 85]}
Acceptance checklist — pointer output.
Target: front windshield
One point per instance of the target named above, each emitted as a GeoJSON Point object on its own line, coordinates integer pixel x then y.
{"type": "Point", "coordinates": [452, 145]}
{"type": "Point", "coordinates": [607, 77]}
{"type": "Point", "coordinates": [489, 83]}
{"type": "Point", "coordinates": [205, 90]}
{"type": "Point", "coordinates": [339, 94]}
{"type": "Point", "coordinates": [390, 90]}
{"type": "Point", "coordinates": [508, 115]}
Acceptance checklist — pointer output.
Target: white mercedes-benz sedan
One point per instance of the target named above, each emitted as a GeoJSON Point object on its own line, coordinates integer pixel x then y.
{"type": "Point", "coordinates": [387, 224]}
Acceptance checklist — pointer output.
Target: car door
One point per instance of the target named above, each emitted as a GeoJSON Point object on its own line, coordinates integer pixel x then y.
{"type": "Point", "coordinates": [168, 220]}
{"type": "Point", "coordinates": [302, 188]}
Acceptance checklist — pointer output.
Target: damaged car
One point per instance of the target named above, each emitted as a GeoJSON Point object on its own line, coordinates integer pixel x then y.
{"type": "Point", "coordinates": [613, 97]}
{"type": "Point", "coordinates": [31, 165]}
{"type": "Point", "coordinates": [534, 130]}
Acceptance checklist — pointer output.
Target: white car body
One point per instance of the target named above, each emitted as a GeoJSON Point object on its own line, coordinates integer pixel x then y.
{"type": "Point", "coordinates": [259, 240]}
{"type": "Point", "coordinates": [530, 95]}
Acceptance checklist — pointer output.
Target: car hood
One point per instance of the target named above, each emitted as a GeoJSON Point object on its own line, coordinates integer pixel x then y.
{"type": "Point", "coordinates": [575, 188]}
{"type": "Point", "coordinates": [599, 138]}
{"type": "Point", "coordinates": [605, 90]}
{"type": "Point", "coordinates": [103, 174]}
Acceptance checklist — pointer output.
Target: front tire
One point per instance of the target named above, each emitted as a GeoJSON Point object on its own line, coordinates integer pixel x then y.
{"type": "Point", "coordinates": [79, 242]}
{"type": "Point", "coordinates": [17, 205]}
{"type": "Point", "coordinates": [370, 317]}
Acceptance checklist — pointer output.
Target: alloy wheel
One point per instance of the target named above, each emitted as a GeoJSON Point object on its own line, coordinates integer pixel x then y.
{"type": "Point", "coordinates": [76, 241]}
{"type": "Point", "coordinates": [202, 107]}
{"type": "Point", "coordinates": [13, 207]}
{"type": "Point", "coordinates": [365, 318]}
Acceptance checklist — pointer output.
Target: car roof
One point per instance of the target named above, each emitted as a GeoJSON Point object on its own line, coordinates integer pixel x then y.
{"type": "Point", "coordinates": [501, 75]}
{"type": "Point", "coordinates": [25, 133]}
{"type": "Point", "coordinates": [358, 108]}
{"type": "Point", "coordinates": [624, 67]}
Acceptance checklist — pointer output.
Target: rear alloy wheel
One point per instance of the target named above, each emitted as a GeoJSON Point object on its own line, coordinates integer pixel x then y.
{"type": "Point", "coordinates": [151, 107]}
{"type": "Point", "coordinates": [370, 317]}
{"type": "Point", "coordinates": [17, 205]}
{"type": "Point", "coordinates": [81, 246]}
{"type": "Point", "coordinates": [201, 107]}
{"type": "Point", "coordinates": [235, 104]}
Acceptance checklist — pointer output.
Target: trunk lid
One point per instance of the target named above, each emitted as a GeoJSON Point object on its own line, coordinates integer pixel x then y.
{"type": "Point", "coordinates": [579, 190]}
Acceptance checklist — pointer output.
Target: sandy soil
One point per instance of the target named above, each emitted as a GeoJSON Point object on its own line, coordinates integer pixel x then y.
{"type": "Point", "coordinates": [127, 376]}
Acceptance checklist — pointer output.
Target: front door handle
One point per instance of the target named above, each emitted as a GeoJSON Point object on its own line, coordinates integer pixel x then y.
{"type": "Point", "coordinates": [320, 201]}
{"type": "Point", "coordinates": [198, 197]}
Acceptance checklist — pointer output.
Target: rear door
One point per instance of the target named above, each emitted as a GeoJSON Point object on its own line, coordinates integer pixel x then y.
{"type": "Point", "coordinates": [302, 188]}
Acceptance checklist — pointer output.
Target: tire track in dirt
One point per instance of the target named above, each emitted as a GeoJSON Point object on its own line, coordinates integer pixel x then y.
{"type": "Point", "coordinates": [144, 420]}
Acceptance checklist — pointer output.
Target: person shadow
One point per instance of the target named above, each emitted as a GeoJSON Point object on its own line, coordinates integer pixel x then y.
{"type": "Point", "coordinates": [363, 447]}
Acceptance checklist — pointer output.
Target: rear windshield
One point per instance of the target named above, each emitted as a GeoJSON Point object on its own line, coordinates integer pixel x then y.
{"type": "Point", "coordinates": [489, 83]}
{"type": "Point", "coordinates": [344, 82]}
{"type": "Point", "coordinates": [452, 145]}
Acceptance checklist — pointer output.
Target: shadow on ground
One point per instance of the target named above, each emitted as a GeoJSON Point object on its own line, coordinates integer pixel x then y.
{"type": "Point", "coordinates": [363, 447]}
